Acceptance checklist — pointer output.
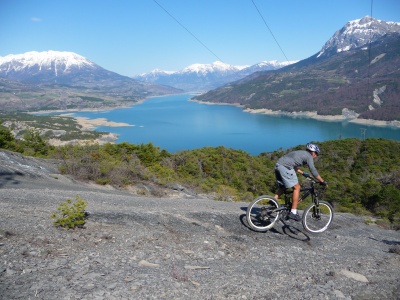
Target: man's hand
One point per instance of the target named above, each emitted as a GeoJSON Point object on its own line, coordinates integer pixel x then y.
{"type": "Point", "coordinates": [323, 183]}
{"type": "Point", "coordinates": [305, 174]}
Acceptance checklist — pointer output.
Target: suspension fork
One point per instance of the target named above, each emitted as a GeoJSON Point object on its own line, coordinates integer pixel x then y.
{"type": "Point", "coordinates": [316, 209]}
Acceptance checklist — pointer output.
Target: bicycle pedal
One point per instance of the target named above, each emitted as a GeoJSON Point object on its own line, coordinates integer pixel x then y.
{"type": "Point", "coordinates": [285, 217]}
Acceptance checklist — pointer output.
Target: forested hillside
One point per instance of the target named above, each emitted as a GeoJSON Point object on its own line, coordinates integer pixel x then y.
{"type": "Point", "coordinates": [363, 176]}
{"type": "Point", "coordinates": [365, 82]}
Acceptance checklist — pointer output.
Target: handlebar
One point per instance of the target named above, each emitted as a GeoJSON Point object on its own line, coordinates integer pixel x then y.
{"type": "Point", "coordinates": [313, 180]}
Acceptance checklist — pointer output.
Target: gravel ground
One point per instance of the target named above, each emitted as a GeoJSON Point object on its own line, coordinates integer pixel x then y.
{"type": "Point", "coordinates": [180, 247]}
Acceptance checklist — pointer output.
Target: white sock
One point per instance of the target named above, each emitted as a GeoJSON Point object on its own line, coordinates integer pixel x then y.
{"type": "Point", "coordinates": [293, 211]}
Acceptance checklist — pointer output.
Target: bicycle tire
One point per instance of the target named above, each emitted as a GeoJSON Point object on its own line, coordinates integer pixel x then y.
{"type": "Point", "coordinates": [261, 213]}
{"type": "Point", "coordinates": [317, 222]}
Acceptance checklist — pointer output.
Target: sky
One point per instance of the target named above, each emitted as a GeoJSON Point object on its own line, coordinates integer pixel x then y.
{"type": "Point", "coordinates": [131, 37]}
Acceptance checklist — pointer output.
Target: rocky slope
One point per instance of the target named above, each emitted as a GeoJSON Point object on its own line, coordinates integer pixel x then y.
{"type": "Point", "coordinates": [181, 247]}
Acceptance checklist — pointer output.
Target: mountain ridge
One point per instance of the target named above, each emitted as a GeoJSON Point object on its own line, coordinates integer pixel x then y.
{"type": "Point", "coordinates": [358, 33]}
{"type": "Point", "coordinates": [202, 77]}
{"type": "Point", "coordinates": [362, 79]}
{"type": "Point", "coordinates": [61, 80]}
{"type": "Point", "coordinates": [46, 59]}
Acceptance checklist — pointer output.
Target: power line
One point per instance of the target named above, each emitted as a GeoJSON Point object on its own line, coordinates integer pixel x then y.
{"type": "Point", "coordinates": [187, 30]}
{"type": "Point", "coordinates": [269, 30]}
{"type": "Point", "coordinates": [363, 130]}
{"type": "Point", "coordinates": [371, 7]}
{"type": "Point", "coordinates": [369, 52]}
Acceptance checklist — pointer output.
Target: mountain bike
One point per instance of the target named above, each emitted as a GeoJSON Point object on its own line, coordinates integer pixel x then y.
{"type": "Point", "coordinates": [265, 211]}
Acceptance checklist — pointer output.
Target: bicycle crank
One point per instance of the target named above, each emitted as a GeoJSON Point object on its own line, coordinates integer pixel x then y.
{"type": "Point", "coordinates": [264, 214]}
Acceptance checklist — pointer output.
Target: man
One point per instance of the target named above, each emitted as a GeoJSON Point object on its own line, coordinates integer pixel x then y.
{"type": "Point", "coordinates": [285, 172]}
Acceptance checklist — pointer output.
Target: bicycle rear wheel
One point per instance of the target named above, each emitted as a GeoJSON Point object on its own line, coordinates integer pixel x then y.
{"type": "Point", "coordinates": [261, 214]}
{"type": "Point", "coordinates": [317, 219]}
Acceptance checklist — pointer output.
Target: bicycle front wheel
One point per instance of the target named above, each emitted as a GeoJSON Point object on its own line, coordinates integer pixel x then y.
{"type": "Point", "coordinates": [316, 219]}
{"type": "Point", "coordinates": [261, 214]}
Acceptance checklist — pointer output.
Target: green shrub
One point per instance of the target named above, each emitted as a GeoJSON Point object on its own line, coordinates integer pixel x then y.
{"type": "Point", "coordinates": [35, 144]}
{"type": "Point", "coordinates": [69, 214]}
{"type": "Point", "coordinates": [226, 193]}
{"type": "Point", "coordinates": [6, 137]}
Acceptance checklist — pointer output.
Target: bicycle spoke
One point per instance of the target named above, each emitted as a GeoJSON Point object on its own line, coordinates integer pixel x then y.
{"type": "Point", "coordinates": [317, 219]}
{"type": "Point", "coordinates": [261, 213]}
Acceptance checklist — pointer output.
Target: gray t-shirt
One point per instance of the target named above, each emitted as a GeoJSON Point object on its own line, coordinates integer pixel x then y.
{"type": "Point", "coordinates": [298, 158]}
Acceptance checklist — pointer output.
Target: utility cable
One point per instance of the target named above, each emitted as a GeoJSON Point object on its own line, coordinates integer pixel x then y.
{"type": "Point", "coordinates": [269, 30]}
{"type": "Point", "coordinates": [187, 30]}
{"type": "Point", "coordinates": [363, 130]}
{"type": "Point", "coordinates": [369, 50]}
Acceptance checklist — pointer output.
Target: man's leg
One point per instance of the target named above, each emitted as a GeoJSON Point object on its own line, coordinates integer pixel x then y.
{"type": "Point", "coordinates": [296, 195]}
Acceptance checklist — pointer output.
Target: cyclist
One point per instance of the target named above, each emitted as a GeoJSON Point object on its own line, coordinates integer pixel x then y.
{"type": "Point", "coordinates": [285, 172]}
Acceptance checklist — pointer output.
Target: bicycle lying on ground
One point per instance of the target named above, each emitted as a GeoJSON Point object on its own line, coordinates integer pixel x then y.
{"type": "Point", "coordinates": [265, 211]}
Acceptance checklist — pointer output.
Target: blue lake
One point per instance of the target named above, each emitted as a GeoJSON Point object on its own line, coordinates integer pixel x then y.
{"type": "Point", "coordinates": [174, 123]}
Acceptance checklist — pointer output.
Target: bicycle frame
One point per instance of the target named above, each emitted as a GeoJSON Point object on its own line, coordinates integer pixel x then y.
{"type": "Point", "coordinates": [304, 193]}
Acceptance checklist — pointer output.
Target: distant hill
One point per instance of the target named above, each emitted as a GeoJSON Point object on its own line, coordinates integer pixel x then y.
{"type": "Point", "coordinates": [70, 78]}
{"type": "Point", "coordinates": [356, 73]}
{"type": "Point", "coordinates": [203, 77]}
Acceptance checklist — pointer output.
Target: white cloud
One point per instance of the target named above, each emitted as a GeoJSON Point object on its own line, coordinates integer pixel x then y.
{"type": "Point", "coordinates": [34, 19]}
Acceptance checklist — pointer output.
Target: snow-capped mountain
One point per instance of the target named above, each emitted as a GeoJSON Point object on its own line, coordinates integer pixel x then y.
{"type": "Point", "coordinates": [200, 77]}
{"type": "Point", "coordinates": [66, 68]}
{"type": "Point", "coordinates": [199, 69]}
{"type": "Point", "coordinates": [154, 75]}
{"type": "Point", "coordinates": [39, 65]}
{"type": "Point", "coordinates": [357, 33]}
{"type": "Point", "coordinates": [205, 69]}
{"type": "Point", "coordinates": [51, 69]}
{"type": "Point", "coordinates": [265, 66]}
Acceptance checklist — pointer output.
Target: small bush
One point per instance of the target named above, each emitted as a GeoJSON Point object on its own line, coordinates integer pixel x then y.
{"type": "Point", "coordinates": [226, 193]}
{"type": "Point", "coordinates": [69, 214]}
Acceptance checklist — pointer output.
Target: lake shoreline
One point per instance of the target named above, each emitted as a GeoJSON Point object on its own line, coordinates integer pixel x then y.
{"type": "Point", "coordinates": [310, 115]}
{"type": "Point", "coordinates": [93, 123]}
